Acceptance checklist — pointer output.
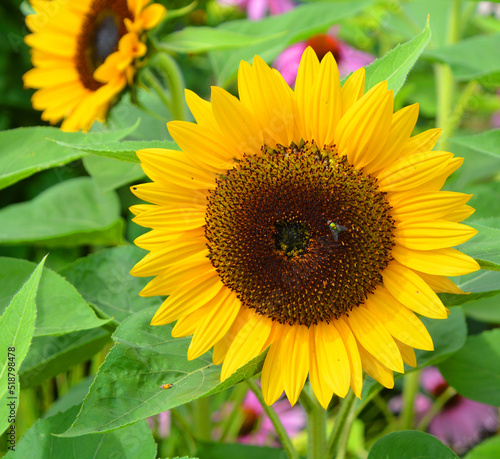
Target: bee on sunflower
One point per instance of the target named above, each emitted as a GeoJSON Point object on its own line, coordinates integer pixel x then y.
{"type": "Point", "coordinates": [84, 54]}
{"type": "Point", "coordinates": [309, 222]}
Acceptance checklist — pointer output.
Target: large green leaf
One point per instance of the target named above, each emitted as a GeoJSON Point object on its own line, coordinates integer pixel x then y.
{"type": "Point", "coordinates": [124, 151]}
{"type": "Point", "coordinates": [60, 308]}
{"type": "Point", "coordinates": [110, 174]}
{"type": "Point", "coordinates": [485, 246]}
{"type": "Point", "coordinates": [51, 355]}
{"type": "Point", "coordinates": [39, 442]}
{"type": "Point", "coordinates": [487, 142]}
{"type": "Point", "coordinates": [103, 279]}
{"type": "Point", "coordinates": [17, 324]}
{"type": "Point", "coordinates": [474, 371]}
{"type": "Point", "coordinates": [488, 449]}
{"type": "Point", "coordinates": [410, 444]}
{"type": "Point", "coordinates": [69, 214]}
{"type": "Point", "coordinates": [484, 309]}
{"type": "Point", "coordinates": [203, 39]}
{"type": "Point", "coordinates": [397, 63]}
{"type": "Point", "coordinates": [295, 25]}
{"type": "Point", "coordinates": [144, 357]}
{"type": "Point", "coordinates": [472, 58]}
{"type": "Point", "coordinates": [26, 151]}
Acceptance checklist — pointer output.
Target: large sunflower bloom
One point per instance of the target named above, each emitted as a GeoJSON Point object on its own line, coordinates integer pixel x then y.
{"type": "Point", "coordinates": [84, 54]}
{"type": "Point", "coordinates": [309, 222]}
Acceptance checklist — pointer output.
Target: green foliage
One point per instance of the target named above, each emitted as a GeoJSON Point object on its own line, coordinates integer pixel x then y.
{"type": "Point", "coordinates": [474, 371]}
{"type": "Point", "coordinates": [54, 296]}
{"type": "Point", "coordinates": [410, 445]}
{"type": "Point", "coordinates": [72, 213]}
{"type": "Point", "coordinates": [18, 325]}
{"type": "Point", "coordinates": [487, 450]}
{"type": "Point", "coordinates": [142, 359]}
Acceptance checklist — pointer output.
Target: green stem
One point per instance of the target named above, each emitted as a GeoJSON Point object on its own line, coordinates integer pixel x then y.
{"type": "Point", "coordinates": [201, 414]}
{"type": "Point", "coordinates": [185, 430]}
{"type": "Point", "coordinates": [236, 399]}
{"type": "Point", "coordinates": [316, 429]}
{"type": "Point", "coordinates": [175, 81]}
{"type": "Point", "coordinates": [445, 82]}
{"type": "Point", "coordinates": [275, 420]}
{"type": "Point", "coordinates": [347, 407]}
{"type": "Point", "coordinates": [458, 113]}
{"type": "Point", "coordinates": [152, 82]}
{"type": "Point", "coordinates": [410, 390]}
{"type": "Point", "coordinates": [436, 408]}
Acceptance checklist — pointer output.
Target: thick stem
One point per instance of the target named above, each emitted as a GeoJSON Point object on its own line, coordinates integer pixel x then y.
{"type": "Point", "coordinates": [237, 396]}
{"type": "Point", "coordinates": [175, 81]}
{"type": "Point", "coordinates": [346, 410]}
{"type": "Point", "coordinates": [275, 420]}
{"type": "Point", "coordinates": [316, 429]}
{"type": "Point", "coordinates": [410, 389]}
{"type": "Point", "coordinates": [201, 414]}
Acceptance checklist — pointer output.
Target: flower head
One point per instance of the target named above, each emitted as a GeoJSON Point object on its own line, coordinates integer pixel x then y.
{"type": "Point", "coordinates": [348, 59]}
{"type": "Point", "coordinates": [306, 221]}
{"type": "Point", "coordinates": [462, 422]}
{"type": "Point", "coordinates": [84, 54]}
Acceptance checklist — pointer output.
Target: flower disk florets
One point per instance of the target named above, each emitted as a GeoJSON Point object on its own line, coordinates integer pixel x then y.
{"type": "Point", "coordinates": [270, 241]}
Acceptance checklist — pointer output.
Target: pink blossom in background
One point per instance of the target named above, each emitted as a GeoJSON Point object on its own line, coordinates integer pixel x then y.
{"type": "Point", "coordinates": [161, 424]}
{"type": "Point", "coordinates": [257, 429]}
{"type": "Point", "coordinates": [462, 422]}
{"type": "Point", "coordinates": [421, 405]}
{"type": "Point", "coordinates": [257, 9]}
{"type": "Point", "coordinates": [348, 58]}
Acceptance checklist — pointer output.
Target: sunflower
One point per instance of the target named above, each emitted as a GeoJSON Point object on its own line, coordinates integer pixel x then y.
{"type": "Point", "coordinates": [84, 54]}
{"type": "Point", "coordinates": [307, 222]}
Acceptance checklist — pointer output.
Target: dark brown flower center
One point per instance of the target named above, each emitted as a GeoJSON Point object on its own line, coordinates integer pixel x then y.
{"type": "Point", "coordinates": [299, 234]}
{"type": "Point", "coordinates": [101, 30]}
{"type": "Point", "coordinates": [323, 44]}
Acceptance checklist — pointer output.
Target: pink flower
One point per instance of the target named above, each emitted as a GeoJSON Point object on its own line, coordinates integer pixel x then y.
{"type": "Point", "coordinates": [348, 58]}
{"type": "Point", "coordinates": [257, 428]}
{"type": "Point", "coordinates": [462, 422]}
{"type": "Point", "coordinates": [421, 405]}
{"type": "Point", "coordinates": [160, 423]}
{"type": "Point", "coordinates": [257, 9]}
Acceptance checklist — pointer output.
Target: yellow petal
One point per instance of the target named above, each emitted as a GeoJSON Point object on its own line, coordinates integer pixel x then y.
{"type": "Point", "coordinates": [428, 206]}
{"type": "Point", "coordinates": [351, 347]}
{"type": "Point", "coordinates": [321, 388]}
{"type": "Point", "coordinates": [424, 141]}
{"type": "Point", "coordinates": [407, 353]}
{"type": "Point", "coordinates": [373, 335]}
{"type": "Point", "coordinates": [266, 94]}
{"type": "Point", "coordinates": [447, 261]}
{"type": "Point", "coordinates": [152, 15]}
{"type": "Point", "coordinates": [408, 288]}
{"type": "Point", "coordinates": [332, 357]}
{"type": "Point", "coordinates": [172, 220]}
{"type": "Point", "coordinates": [430, 235]}
{"type": "Point", "coordinates": [295, 365]}
{"type": "Point", "coordinates": [353, 89]}
{"type": "Point", "coordinates": [272, 374]}
{"type": "Point", "coordinates": [459, 215]}
{"type": "Point", "coordinates": [173, 195]}
{"type": "Point", "coordinates": [224, 308]}
{"type": "Point", "coordinates": [437, 182]}
{"type": "Point", "coordinates": [201, 110]}
{"type": "Point", "coordinates": [400, 322]}
{"type": "Point", "coordinates": [248, 343]}
{"type": "Point", "coordinates": [441, 284]}
{"type": "Point", "coordinates": [375, 369]}
{"type": "Point", "coordinates": [188, 298]}
{"type": "Point", "coordinates": [414, 170]}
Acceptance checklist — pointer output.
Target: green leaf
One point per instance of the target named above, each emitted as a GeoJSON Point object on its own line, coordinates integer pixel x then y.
{"type": "Point", "coordinates": [485, 246]}
{"type": "Point", "coordinates": [51, 355]}
{"type": "Point", "coordinates": [28, 150]}
{"type": "Point", "coordinates": [481, 284]}
{"type": "Point", "coordinates": [124, 151]}
{"type": "Point", "coordinates": [295, 25]}
{"type": "Point", "coordinates": [17, 324]}
{"type": "Point", "coordinates": [69, 214]}
{"type": "Point", "coordinates": [484, 309]}
{"type": "Point", "coordinates": [486, 450]}
{"type": "Point", "coordinates": [397, 63]}
{"type": "Point", "coordinates": [110, 174]}
{"type": "Point", "coordinates": [472, 58]}
{"type": "Point", "coordinates": [39, 442]}
{"type": "Point", "coordinates": [487, 142]}
{"type": "Point", "coordinates": [144, 357]}
{"type": "Point", "coordinates": [212, 450]}
{"type": "Point", "coordinates": [474, 371]}
{"type": "Point", "coordinates": [60, 308]}
{"type": "Point", "coordinates": [410, 444]}
{"type": "Point", "coordinates": [103, 279]}
{"type": "Point", "coordinates": [203, 39]}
